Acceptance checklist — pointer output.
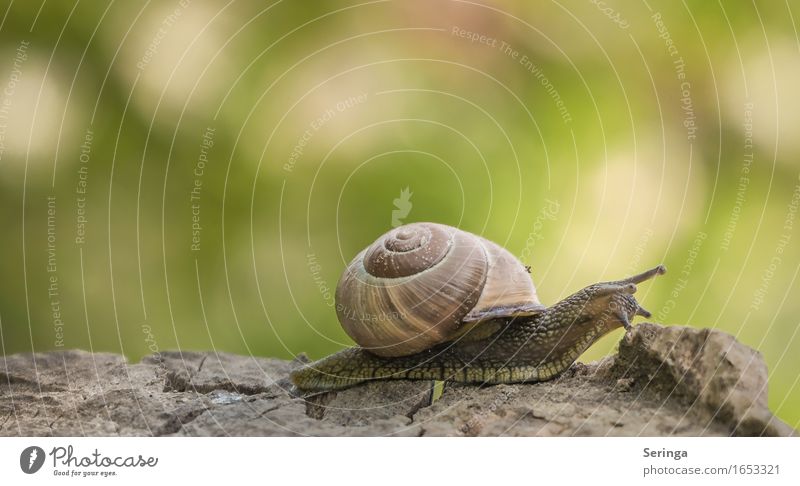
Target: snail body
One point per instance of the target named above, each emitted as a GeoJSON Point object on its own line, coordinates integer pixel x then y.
{"type": "Point", "coordinates": [429, 301]}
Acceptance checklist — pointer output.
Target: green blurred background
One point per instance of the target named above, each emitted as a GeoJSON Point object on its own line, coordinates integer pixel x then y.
{"type": "Point", "coordinates": [592, 139]}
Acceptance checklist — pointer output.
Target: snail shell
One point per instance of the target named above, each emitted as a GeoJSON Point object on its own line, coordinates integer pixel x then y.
{"type": "Point", "coordinates": [424, 284]}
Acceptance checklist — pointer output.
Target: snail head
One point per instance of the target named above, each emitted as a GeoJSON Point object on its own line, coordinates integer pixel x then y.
{"type": "Point", "coordinates": [612, 304]}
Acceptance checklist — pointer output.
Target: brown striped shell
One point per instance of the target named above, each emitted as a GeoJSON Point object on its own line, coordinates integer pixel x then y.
{"type": "Point", "coordinates": [423, 284]}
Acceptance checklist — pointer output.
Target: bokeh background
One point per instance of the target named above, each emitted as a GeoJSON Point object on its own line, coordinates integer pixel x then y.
{"type": "Point", "coordinates": [196, 175]}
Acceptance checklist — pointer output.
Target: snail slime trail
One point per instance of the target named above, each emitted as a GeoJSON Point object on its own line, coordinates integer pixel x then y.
{"type": "Point", "coordinates": [197, 186]}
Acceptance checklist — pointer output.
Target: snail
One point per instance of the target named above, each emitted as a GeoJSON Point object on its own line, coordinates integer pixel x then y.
{"type": "Point", "coordinates": [431, 302]}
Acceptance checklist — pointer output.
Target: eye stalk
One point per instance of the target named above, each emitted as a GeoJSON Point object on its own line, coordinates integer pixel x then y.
{"type": "Point", "coordinates": [613, 303]}
{"type": "Point", "coordinates": [644, 276]}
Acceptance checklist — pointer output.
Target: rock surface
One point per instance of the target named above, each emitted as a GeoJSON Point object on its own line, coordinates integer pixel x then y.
{"type": "Point", "coordinates": [663, 381]}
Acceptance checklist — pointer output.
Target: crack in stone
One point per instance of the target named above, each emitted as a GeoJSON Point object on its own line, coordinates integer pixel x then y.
{"type": "Point", "coordinates": [180, 381]}
{"type": "Point", "coordinates": [421, 404]}
{"type": "Point", "coordinates": [316, 404]}
{"type": "Point", "coordinates": [56, 420]}
{"type": "Point", "coordinates": [271, 409]}
{"type": "Point", "coordinates": [177, 421]}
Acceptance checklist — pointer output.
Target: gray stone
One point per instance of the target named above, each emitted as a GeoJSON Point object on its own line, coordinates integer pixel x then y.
{"type": "Point", "coordinates": [663, 381]}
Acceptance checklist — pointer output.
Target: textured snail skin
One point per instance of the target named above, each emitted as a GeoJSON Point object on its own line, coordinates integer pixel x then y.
{"type": "Point", "coordinates": [521, 349]}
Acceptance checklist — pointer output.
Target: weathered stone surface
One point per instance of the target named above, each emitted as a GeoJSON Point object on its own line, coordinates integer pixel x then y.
{"type": "Point", "coordinates": [705, 371]}
{"type": "Point", "coordinates": [663, 381]}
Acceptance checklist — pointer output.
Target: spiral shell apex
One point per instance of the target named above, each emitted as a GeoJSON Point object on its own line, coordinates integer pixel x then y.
{"type": "Point", "coordinates": [422, 284]}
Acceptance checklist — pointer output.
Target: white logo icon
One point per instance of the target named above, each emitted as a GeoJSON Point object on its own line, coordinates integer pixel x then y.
{"type": "Point", "coordinates": [31, 459]}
